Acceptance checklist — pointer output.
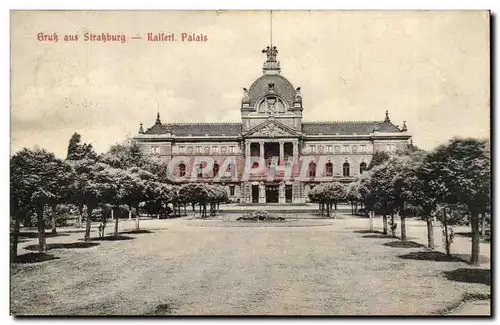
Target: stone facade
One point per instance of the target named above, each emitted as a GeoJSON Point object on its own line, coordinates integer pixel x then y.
{"type": "Point", "coordinates": [271, 129]}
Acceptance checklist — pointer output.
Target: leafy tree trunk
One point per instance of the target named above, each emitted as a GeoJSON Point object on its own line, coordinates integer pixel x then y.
{"type": "Point", "coordinates": [430, 233]}
{"type": "Point", "coordinates": [14, 238]}
{"type": "Point", "coordinates": [335, 211]}
{"type": "Point", "coordinates": [41, 228]}
{"type": "Point", "coordinates": [80, 216]}
{"type": "Point", "coordinates": [193, 205]}
{"type": "Point", "coordinates": [385, 227]}
{"type": "Point", "coordinates": [446, 237]}
{"type": "Point", "coordinates": [116, 226]}
{"type": "Point", "coordinates": [137, 217]}
{"type": "Point", "coordinates": [483, 225]}
{"type": "Point", "coordinates": [372, 215]}
{"type": "Point", "coordinates": [129, 212]}
{"type": "Point", "coordinates": [185, 212]}
{"type": "Point", "coordinates": [54, 206]}
{"type": "Point", "coordinates": [352, 208]}
{"type": "Point", "coordinates": [474, 223]}
{"type": "Point", "coordinates": [90, 208]}
{"type": "Point", "coordinates": [393, 226]}
{"type": "Point", "coordinates": [403, 227]}
{"type": "Point", "coordinates": [328, 210]}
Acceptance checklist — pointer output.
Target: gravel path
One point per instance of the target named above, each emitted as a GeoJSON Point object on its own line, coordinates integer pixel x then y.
{"type": "Point", "coordinates": [186, 268]}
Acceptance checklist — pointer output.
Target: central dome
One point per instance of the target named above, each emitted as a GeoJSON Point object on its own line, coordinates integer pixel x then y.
{"type": "Point", "coordinates": [282, 87]}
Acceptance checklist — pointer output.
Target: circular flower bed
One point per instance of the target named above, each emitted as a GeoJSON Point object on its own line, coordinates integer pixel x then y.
{"type": "Point", "coordinates": [260, 216]}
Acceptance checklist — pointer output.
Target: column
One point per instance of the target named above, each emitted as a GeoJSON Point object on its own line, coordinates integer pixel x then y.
{"type": "Point", "coordinates": [262, 193]}
{"type": "Point", "coordinates": [295, 149]}
{"type": "Point", "coordinates": [281, 193]}
{"type": "Point", "coordinates": [282, 151]}
{"type": "Point", "coordinates": [261, 149]}
{"type": "Point", "coordinates": [247, 149]}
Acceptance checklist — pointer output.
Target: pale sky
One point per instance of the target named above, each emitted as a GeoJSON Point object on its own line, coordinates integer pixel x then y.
{"type": "Point", "coordinates": [428, 68]}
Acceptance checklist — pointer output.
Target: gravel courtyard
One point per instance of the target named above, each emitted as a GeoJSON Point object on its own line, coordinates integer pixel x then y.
{"type": "Point", "coordinates": [210, 267]}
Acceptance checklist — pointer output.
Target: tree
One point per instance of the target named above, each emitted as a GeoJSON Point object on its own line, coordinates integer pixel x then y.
{"type": "Point", "coordinates": [77, 151]}
{"type": "Point", "coordinates": [460, 172]}
{"type": "Point", "coordinates": [93, 184]}
{"type": "Point", "coordinates": [379, 157]}
{"type": "Point", "coordinates": [314, 195]}
{"type": "Point", "coordinates": [353, 195]}
{"type": "Point", "coordinates": [332, 194]}
{"type": "Point", "coordinates": [366, 196]}
{"type": "Point", "coordinates": [37, 178]}
{"type": "Point", "coordinates": [141, 188]}
{"type": "Point", "coordinates": [382, 192]}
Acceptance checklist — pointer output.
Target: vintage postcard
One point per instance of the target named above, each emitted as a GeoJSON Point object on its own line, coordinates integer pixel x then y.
{"type": "Point", "coordinates": [294, 163]}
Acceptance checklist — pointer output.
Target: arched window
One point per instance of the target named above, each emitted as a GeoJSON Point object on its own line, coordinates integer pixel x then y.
{"type": "Point", "coordinates": [200, 167]}
{"type": "Point", "coordinates": [216, 169]}
{"type": "Point", "coordinates": [362, 167]}
{"type": "Point", "coordinates": [345, 168]}
{"type": "Point", "coordinates": [312, 169]}
{"type": "Point", "coordinates": [329, 169]}
{"type": "Point", "coordinates": [182, 170]}
{"type": "Point", "coordinates": [230, 170]}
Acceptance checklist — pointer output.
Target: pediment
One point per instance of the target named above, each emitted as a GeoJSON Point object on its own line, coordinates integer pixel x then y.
{"type": "Point", "coordinates": [271, 129]}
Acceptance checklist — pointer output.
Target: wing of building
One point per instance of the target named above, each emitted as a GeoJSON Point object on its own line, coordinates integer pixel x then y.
{"type": "Point", "coordinates": [271, 129]}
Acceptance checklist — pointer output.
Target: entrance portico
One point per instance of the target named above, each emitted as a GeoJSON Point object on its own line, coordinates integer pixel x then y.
{"type": "Point", "coordinates": [273, 192]}
{"type": "Point", "coordinates": [282, 149]}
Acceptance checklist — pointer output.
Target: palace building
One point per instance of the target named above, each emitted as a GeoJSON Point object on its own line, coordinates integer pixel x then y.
{"type": "Point", "coordinates": [271, 131]}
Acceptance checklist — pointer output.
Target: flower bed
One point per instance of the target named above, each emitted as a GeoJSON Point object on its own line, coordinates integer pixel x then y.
{"type": "Point", "coordinates": [260, 216]}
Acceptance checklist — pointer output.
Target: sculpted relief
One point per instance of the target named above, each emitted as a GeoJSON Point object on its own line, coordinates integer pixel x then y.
{"type": "Point", "coordinates": [271, 130]}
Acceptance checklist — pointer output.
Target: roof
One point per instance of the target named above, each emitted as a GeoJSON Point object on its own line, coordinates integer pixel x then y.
{"type": "Point", "coordinates": [196, 129]}
{"type": "Point", "coordinates": [347, 127]}
{"type": "Point", "coordinates": [309, 128]}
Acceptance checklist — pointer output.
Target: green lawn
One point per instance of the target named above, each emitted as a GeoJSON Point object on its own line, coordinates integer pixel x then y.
{"type": "Point", "coordinates": [206, 267]}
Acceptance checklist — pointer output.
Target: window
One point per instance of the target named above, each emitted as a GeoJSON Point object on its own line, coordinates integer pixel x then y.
{"type": "Point", "coordinates": [345, 168]}
{"type": "Point", "coordinates": [154, 149]}
{"type": "Point", "coordinates": [214, 149]}
{"type": "Point", "coordinates": [329, 148]}
{"type": "Point", "coordinates": [216, 169]}
{"type": "Point", "coordinates": [198, 149]}
{"type": "Point", "coordinates": [182, 170]}
{"type": "Point", "coordinates": [255, 164]}
{"type": "Point", "coordinates": [363, 148]}
{"type": "Point", "coordinates": [231, 149]}
{"type": "Point", "coordinates": [200, 167]}
{"type": "Point", "coordinates": [230, 170]}
{"type": "Point", "coordinates": [312, 148]}
{"type": "Point", "coordinates": [329, 169]}
{"type": "Point", "coordinates": [354, 149]}
{"type": "Point", "coordinates": [207, 150]}
{"type": "Point", "coordinates": [337, 149]}
{"type": "Point", "coordinates": [223, 150]}
{"type": "Point", "coordinates": [190, 150]}
{"type": "Point", "coordinates": [362, 167]}
{"type": "Point", "coordinates": [320, 149]}
{"type": "Point", "coordinates": [231, 190]}
{"type": "Point", "coordinates": [312, 169]}
{"type": "Point", "coordinates": [346, 149]}
{"type": "Point", "coordinates": [181, 149]}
